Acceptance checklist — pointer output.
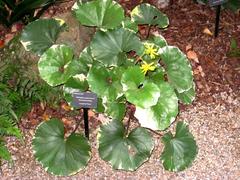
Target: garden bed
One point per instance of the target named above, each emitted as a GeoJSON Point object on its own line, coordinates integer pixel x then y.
{"type": "Point", "coordinates": [213, 117]}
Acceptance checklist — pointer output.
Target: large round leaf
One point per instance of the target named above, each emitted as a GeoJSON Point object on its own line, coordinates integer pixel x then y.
{"type": "Point", "coordinates": [105, 14]}
{"type": "Point", "coordinates": [115, 110]}
{"type": "Point", "coordinates": [105, 83]}
{"type": "Point", "coordinates": [138, 93]}
{"type": "Point", "coordinates": [160, 116]}
{"type": "Point", "coordinates": [85, 60]}
{"type": "Point", "coordinates": [100, 107]}
{"type": "Point", "coordinates": [148, 14]}
{"type": "Point", "coordinates": [156, 76]}
{"type": "Point", "coordinates": [145, 96]}
{"type": "Point", "coordinates": [110, 47]}
{"type": "Point", "coordinates": [158, 40]}
{"type": "Point", "coordinates": [41, 34]}
{"type": "Point", "coordinates": [188, 96]}
{"type": "Point", "coordinates": [132, 78]}
{"type": "Point", "coordinates": [56, 65]}
{"type": "Point", "coordinates": [180, 150]}
{"type": "Point", "coordinates": [58, 155]}
{"type": "Point", "coordinates": [121, 151]}
{"type": "Point", "coordinates": [129, 24]}
{"type": "Point", "coordinates": [178, 68]}
{"type": "Point", "coordinates": [74, 84]}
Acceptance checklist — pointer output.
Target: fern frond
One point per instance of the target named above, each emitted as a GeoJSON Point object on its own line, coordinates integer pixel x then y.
{"type": "Point", "coordinates": [8, 127]}
{"type": "Point", "coordinates": [4, 153]}
{"type": "Point", "coordinates": [26, 88]}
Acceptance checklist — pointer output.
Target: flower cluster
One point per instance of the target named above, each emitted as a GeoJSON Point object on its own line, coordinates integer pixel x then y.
{"type": "Point", "coordinates": [145, 67]}
{"type": "Point", "coordinates": [150, 50]}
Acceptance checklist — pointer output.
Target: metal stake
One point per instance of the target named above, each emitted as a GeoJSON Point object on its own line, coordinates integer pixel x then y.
{"type": "Point", "coordinates": [86, 127]}
{"type": "Point", "coordinates": [218, 10]}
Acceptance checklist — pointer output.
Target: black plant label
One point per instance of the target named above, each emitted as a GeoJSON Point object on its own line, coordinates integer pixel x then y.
{"type": "Point", "coordinates": [84, 100]}
{"type": "Point", "coordinates": [217, 2]}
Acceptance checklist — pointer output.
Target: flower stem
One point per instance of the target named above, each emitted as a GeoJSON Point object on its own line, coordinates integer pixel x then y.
{"type": "Point", "coordinates": [130, 116]}
{"type": "Point", "coordinates": [155, 132]}
{"type": "Point", "coordinates": [128, 125]}
{"type": "Point", "coordinates": [78, 120]}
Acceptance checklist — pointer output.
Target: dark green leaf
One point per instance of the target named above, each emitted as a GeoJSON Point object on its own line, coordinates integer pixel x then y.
{"type": "Point", "coordinates": [188, 96]}
{"type": "Point", "coordinates": [148, 14]}
{"type": "Point", "coordinates": [158, 40]}
{"type": "Point", "coordinates": [86, 60]}
{"type": "Point", "coordinates": [178, 68]}
{"type": "Point", "coordinates": [116, 109]}
{"type": "Point", "coordinates": [145, 96]}
{"type": "Point", "coordinates": [100, 108]}
{"type": "Point", "coordinates": [161, 115]}
{"type": "Point", "coordinates": [156, 76]}
{"type": "Point", "coordinates": [40, 35]}
{"type": "Point", "coordinates": [132, 78]}
{"type": "Point", "coordinates": [138, 93]}
{"type": "Point", "coordinates": [74, 84]}
{"type": "Point", "coordinates": [58, 155]}
{"type": "Point", "coordinates": [105, 83]}
{"type": "Point", "coordinates": [129, 24]}
{"type": "Point", "coordinates": [180, 150]}
{"type": "Point", "coordinates": [105, 14]}
{"type": "Point", "coordinates": [121, 151]}
{"type": "Point", "coordinates": [110, 47]}
{"type": "Point", "coordinates": [56, 65]}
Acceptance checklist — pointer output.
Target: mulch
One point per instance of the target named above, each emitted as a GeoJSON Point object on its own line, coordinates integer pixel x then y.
{"type": "Point", "coordinates": [214, 72]}
{"type": "Point", "coordinates": [215, 75]}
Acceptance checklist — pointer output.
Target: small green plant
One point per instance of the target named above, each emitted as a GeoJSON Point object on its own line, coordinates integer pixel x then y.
{"type": "Point", "coordinates": [12, 11]}
{"type": "Point", "coordinates": [18, 72]}
{"type": "Point", "coordinates": [146, 77]}
{"type": "Point", "coordinates": [234, 49]}
{"type": "Point", "coordinates": [7, 128]}
{"type": "Point", "coordinates": [17, 93]}
{"type": "Point", "coordinates": [8, 120]}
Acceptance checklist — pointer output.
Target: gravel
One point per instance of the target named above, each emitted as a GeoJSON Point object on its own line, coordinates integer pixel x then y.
{"type": "Point", "coordinates": [215, 126]}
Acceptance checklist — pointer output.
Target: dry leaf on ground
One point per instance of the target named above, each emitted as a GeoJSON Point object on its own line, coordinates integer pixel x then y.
{"type": "Point", "coordinates": [208, 32]}
{"type": "Point", "coordinates": [67, 122]}
{"type": "Point", "coordinates": [193, 56]}
{"type": "Point", "coordinates": [66, 107]}
{"type": "Point", "coordinates": [46, 117]}
{"type": "Point", "coordinates": [199, 71]}
{"type": "Point", "coordinates": [91, 113]}
{"type": "Point", "coordinates": [188, 47]}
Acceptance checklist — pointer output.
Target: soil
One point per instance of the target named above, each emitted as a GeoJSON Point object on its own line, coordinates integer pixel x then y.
{"type": "Point", "coordinates": [214, 126]}
{"type": "Point", "coordinates": [213, 117]}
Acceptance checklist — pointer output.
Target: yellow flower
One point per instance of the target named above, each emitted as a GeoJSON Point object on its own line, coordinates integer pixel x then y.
{"type": "Point", "coordinates": [145, 67]}
{"type": "Point", "coordinates": [150, 50]}
{"type": "Point", "coordinates": [60, 21]}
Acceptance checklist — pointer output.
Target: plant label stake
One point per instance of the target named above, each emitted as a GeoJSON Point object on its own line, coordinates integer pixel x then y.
{"type": "Point", "coordinates": [85, 100]}
{"type": "Point", "coordinates": [86, 126]}
{"type": "Point", "coordinates": [217, 3]}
